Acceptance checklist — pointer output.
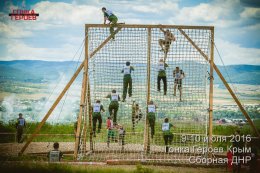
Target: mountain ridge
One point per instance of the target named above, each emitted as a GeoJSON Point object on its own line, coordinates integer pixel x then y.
{"type": "Point", "coordinates": [39, 71]}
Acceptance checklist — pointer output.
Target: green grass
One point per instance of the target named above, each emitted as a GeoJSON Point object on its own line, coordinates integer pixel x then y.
{"type": "Point", "coordinates": [56, 168]}
{"type": "Point", "coordinates": [101, 137]}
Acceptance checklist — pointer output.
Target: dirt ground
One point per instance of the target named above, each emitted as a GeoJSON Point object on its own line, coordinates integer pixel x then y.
{"type": "Point", "coordinates": [35, 147]}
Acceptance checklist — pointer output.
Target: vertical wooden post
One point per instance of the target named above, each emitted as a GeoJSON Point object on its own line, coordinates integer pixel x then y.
{"type": "Point", "coordinates": [85, 113]}
{"type": "Point", "coordinates": [211, 91]}
{"type": "Point", "coordinates": [90, 119]}
{"type": "Point", "coordinates": [83, 95]}
{"type": "Point", "coordinates": [146, 131]}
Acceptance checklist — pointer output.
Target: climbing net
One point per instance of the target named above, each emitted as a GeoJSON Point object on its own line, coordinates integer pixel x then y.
{"type": "Point", "coordinates": [189, 116]}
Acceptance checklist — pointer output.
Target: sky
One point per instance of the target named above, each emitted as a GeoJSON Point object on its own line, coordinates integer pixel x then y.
{"type": "Point", "coordinates": [59, 31]}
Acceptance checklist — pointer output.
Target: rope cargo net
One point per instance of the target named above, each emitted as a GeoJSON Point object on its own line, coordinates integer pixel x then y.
{"type": "Point", "coordinates": [189, 116]}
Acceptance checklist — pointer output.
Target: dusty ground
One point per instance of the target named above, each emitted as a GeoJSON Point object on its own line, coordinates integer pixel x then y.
{"type": "Point", "coordinates": [34, 147]}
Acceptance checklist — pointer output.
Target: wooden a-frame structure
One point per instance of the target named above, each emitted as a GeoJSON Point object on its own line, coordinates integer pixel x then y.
{"type": "Point", "coordinates": [85, 104]}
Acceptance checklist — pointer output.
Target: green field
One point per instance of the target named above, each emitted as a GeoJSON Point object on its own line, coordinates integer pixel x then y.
{"type": "Point", "coordinates": [55, 168]}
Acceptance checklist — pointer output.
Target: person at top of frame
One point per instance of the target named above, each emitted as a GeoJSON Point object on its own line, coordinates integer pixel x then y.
{"type": "Point", "coordinates": [127, 70]}
{"type": "Point", "coordinates": [97, 108]}
{"type": "Point", "coordinates": [178, 74]}
{"type": "Point", "coordinates": [113, 106]}
{"type": "Point", "coordinates": [111, 17]}
{"type": "Point", "coordinates": [162, 76]}
{"type": "Point", "coordinates": [166, 42]}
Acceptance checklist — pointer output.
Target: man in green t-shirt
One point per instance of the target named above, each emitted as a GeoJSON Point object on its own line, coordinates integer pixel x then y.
{"type": "Point", "coordinates": [127, 70]}
{"type": "Point", "coordinates": [151, 109]}
{"type": "Point", "coordinates": [167, 134]}
{"type": "Point", "coordinates": [162, 76]}
{"type": "Point", "coordinates": [97, 108]}
{"type": "Point", "coordinates": [113, 106]}
{"type": "Point", "coordinates": [108, 15]}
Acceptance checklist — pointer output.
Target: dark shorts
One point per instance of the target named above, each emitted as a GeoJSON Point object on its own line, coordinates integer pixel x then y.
{"type": "Point", "coordinates": [178, 82]}
{"type": "Point", "coordinates": [166, 43]}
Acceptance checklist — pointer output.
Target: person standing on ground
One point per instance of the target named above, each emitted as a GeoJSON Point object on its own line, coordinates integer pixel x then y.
{"type": "Point", "coordinates": [55, 155]}
{"type": "Point", "coordinates": [20, 125]}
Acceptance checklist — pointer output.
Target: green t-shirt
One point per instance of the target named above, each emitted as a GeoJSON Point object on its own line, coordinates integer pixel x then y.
{"type": "Point", "coordinates": [166, 128]}
{"type": "Point", "coordinates": [162, 73]}
{"type": "Point", "coordinates": [109, 15]}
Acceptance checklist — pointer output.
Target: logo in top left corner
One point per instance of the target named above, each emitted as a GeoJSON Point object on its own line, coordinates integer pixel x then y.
{"type": "Point", "coordinates": [21, 14]}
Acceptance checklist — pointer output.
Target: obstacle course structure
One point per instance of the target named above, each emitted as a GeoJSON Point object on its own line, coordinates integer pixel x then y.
{"type": "Point", "coordinates": [192, 51]}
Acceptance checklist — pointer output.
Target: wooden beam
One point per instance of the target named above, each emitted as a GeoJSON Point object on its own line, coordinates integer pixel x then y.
{"type": "Point", "coordinates": [211, 91]}
{"type": "Point", "coordinates": [224, 82]}
{"type": "Point", "coordinates": [38, 128]}
{"type": "Point", "coordinates": [146, 131]}
{"type": "Point", "coordinates": [104, 43]}
{"type": "Point", "coordinates": [83, 96]}
{"type": "Point", "coordinates": [51, 109]}
{"type": "Point", "coordinates": [236, 100]}
{"type": "Point", "coordinates": [193, 44]}
{"type": "Point", "coordinates": [90, 119]}
{"type": "Point", "coordinates": [150, 26]}
{"type": "Point", "coordinates": [85, 114]}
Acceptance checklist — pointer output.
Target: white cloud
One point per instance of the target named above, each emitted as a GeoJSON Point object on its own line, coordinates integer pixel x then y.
{"type": "Point", "coordinates": [18, 50]}
{"type": "Point", "coordinates": [251, 13]}
{"type": "Point", "coordinates": [59, 13]}
{"type": "Point", "coordinates": [235, 54]}
{"type": "Point", "coordinates": [226, 15]}
{"type": "Point", "coordinates": [10, 31]}
{"type": "Point", "coordinates": [155, 7]}
{"type": "Point", "coordinates": [219, 13]}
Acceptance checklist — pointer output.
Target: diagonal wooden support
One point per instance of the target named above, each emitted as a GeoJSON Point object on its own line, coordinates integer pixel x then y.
{"type": "Point", "coordinates": [34, 134]}
{"type": "Point", "coordinates": [224, 82]}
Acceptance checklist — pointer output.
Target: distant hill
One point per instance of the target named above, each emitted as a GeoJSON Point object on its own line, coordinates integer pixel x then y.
{"type": "Point", "coordinates": [44, 71]}
{"type": "Point", "coordinates": [35, 71]}
{"type": "Point", "coordinates": [240, 74]}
